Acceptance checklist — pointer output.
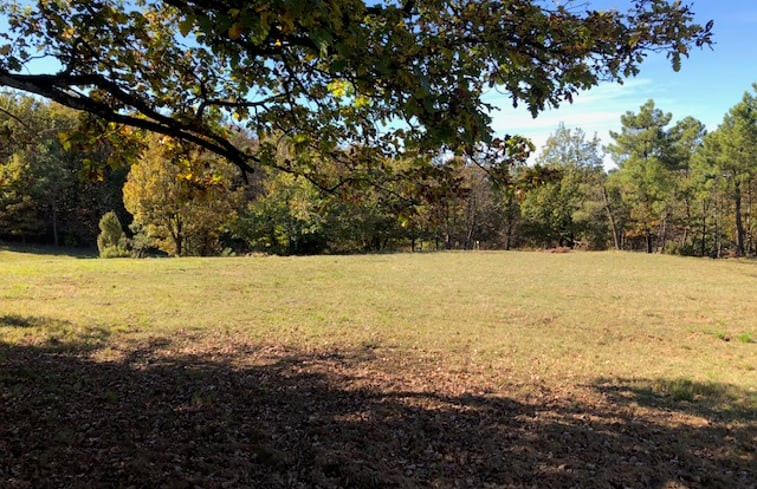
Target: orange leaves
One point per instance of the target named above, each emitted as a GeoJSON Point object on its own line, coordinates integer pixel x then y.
{"type": "Point", "coordinates": [235, 31]}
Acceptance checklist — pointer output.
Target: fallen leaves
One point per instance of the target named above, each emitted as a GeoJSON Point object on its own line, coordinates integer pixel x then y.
{"type": "Point", "coordinates": [190, 415]}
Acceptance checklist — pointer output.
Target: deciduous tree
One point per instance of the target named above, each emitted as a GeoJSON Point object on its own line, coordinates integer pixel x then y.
{"type": "Point", "coordinates": [392, 74]}
{"type": "Point", "coordinates": [180, 196]}
{"type": "Point", "coordinates": [52, 189]}
{"type": "Point", "coordinates": [560, 212]}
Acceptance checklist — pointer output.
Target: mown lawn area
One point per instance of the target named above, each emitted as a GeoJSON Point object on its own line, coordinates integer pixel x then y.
{"type": "Point", "coordinates": [485, 369]}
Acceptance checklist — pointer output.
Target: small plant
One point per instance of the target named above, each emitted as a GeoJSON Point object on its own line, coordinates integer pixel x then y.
{"type": "Point", "coordinates": [228, 252]}
{"type": "Point", "coordinates": [721, 335]}
{"type": "Point", "coordinates": [111, 242]}
{"type": "Point", "coordinates": [202, 400]}
{"type": "Point", "coordinates": [745, 338]}
{"type": "Point", "coordinates": [682, 390]}
{"type": "Point", "coordinates": [141, 244]}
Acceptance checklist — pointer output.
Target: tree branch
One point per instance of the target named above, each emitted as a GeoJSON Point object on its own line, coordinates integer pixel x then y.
{"type": "Point", "coordinates": [57, 88]}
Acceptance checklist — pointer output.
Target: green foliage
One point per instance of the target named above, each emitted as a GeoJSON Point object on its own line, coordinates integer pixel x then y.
{"type": "Point", "coordinates": [643, 153]}
{"type": "Point", "coordinates": [111, 242]}
{"type": "Point", "coordinates": [677, 190]}
{"type": "Point", "coordinates": [732, 152]}
{"type": "Point", "coordinates": [45, 192]}
{"type": "Point", "coordinates": [566, 210]}
{"type": "Point", "coordinates": [329, 75]}
{"type": "Point", "coordinates": [19, 210]}
{"type": "Point", "coordinates": [293, 215]}
{"type": "Point", "coordinates": [745, 338]}
{"type": "Point", "coordinates": [328, 71]}
{"type": "Point", "coordinates": [286, 218]}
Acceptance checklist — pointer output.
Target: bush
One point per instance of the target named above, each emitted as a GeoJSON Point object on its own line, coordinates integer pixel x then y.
{"type": "Point", "coordinates": [111, 242]}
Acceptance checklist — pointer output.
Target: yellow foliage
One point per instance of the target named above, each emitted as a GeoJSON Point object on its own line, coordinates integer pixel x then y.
{"type": "Point", "coordinates": [338, 88]}
{"type": "Point", "coordinates": [180, 197]}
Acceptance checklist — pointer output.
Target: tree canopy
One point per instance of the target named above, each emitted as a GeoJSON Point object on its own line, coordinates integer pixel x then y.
{"type": "Point", "coordinates": [394, 75]}
{"type": "Point", "coordinates": [732, 151]}
{"type": "Point", "coordinates": [180, 198]}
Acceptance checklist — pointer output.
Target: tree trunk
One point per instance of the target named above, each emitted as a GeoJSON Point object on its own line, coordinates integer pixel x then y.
{"type": "Point", "coordinates": [510, 221]}
{"type": "Point", "coordinates": [739, 223]}
{"type": "Point", "coordinates": [447, 235]}
{"type": "Point", "coordinates": [272, 237]}
{"type": "Point", "coordinates": [664, 232]}
{"type": "Point", "coordinates": [748, 221]}
{"type": "Point", "coordinates": [717, 234]}
{"type": "Point", "coordinates": [648, 234]}
{"type": "Point", "coordinates": [178, 238]}
{"type": "Point", "coordinates": [447, 232]}
{"type": "Point", "coordinates": [704, 228]}
{"type": "Point", "coordinates": [611, 218]}
{"type": "Point", "coordinates": [509, 231]}
{"type": "Point", "coordinates": [472, 218]}
{"type": "Point", "coordinates": [54, 209]}
{"type": "Point", "coordinates": [687, 227]}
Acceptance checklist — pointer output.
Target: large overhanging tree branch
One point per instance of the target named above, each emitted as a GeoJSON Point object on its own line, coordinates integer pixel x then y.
{"type": "Point", "coordinates": [395, 75]}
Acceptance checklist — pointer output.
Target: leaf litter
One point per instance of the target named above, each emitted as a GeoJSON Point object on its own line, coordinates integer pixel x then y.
{"type": "Point", "coordinates": [197, 414]}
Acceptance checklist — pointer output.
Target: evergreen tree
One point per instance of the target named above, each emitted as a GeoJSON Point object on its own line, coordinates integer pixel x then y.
{"type": "Point", "coordinates": [736, 162]}
{"type": "Point", "coordinates": [644, 155]}
{"type": "Point", "coordinates": [111, 242]}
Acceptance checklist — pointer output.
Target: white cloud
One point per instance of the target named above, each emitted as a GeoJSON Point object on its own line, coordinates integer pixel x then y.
{"type": "Point", "coordinates": [595, 111]}
{"type": "Point", "coordinates": [550, 120]}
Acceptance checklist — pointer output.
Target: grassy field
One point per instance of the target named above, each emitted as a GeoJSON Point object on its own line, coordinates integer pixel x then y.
{"type": "Point", "coordinates": [612, 353]}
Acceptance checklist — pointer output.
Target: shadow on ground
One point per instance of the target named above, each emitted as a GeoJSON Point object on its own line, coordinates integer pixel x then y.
{"type": "Point", "coordinates": [57, 334]}
{"type": "Point", "coordinates": [49, 250]}
{"type": "Point", "coordinates": [17, 321]}
{"type": "Point", "coordinates": [272, 418]}
{"type": "Point", "coordinates": [711, 400]}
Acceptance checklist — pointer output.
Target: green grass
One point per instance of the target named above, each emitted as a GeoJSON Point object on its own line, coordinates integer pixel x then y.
{"type": "Point", "coordinates": [406, 370]}
{"type": "Point", "coordinates": [511, 317]}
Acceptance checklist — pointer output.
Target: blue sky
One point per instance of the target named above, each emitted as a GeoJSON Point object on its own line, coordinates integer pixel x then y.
{"type": "Point", "coordinates": [709, 83]}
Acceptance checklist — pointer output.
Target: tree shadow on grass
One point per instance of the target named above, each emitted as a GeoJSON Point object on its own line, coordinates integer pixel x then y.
{"type": "Point", "coordinates": [57, 334]}
{"type": "Point", "coordinates": [16, 321]}
{"type": "Point", "coordinates": [272, 418]}
{"type": "Point", "coordinates": [712, 400]}
{"type": "Point", "coordinates": [49, 250]}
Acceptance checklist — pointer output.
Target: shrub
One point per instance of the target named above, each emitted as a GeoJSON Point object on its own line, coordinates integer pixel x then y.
{"type": "Point", "coordinates": [111, 242]}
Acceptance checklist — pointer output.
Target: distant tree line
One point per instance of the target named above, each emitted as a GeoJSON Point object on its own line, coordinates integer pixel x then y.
{"type": "Point", "coordinates": [676, 189]}
{"type": "Point", "coordinates": [52, 190]}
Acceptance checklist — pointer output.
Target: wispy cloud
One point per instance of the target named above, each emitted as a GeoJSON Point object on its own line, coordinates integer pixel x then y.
{"type": "Point", "coordinates": [613, 92]}
{"type": "Point", "coordinates": [596, 111]}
